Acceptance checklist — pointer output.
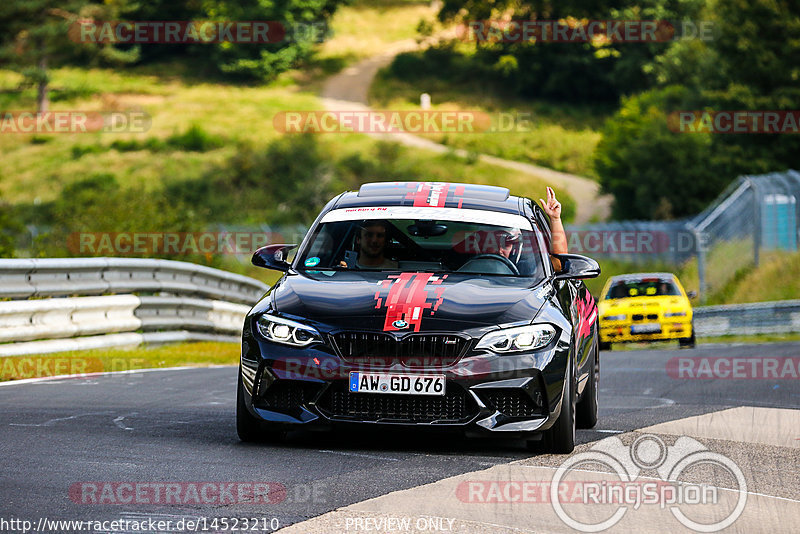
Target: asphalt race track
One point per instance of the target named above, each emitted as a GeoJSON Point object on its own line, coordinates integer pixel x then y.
{"type": "Point", "coordinates": [81, 449]}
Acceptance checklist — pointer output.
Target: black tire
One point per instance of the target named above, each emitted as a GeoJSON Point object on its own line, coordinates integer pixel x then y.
{"type": "Point", "coordinates": [605, 345]}
{"type": "Point", "coordinates": [688, 342]}
{"type": "Point", "coordinates": [247, 426]}
{"type": "Point", "coordinates": [586, 410]}
{"type": "Point", "coordinates": [560, 438]}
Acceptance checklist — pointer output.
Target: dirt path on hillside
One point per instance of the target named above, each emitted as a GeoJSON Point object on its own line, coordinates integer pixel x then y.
{"type": "Point", "coordinates": [347, 91]}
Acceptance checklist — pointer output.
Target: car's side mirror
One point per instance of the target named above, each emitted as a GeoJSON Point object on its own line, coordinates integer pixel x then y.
{"type": "Point", "coordinates": [273, 257]}
{"type": "Point", "coordinates": [576, 267]}
{"type": "Point", "coordinates": [692, 294]}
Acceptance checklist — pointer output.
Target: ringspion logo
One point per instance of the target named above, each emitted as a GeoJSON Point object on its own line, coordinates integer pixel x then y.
{"type": "Point", "coordinates": [676, 465]}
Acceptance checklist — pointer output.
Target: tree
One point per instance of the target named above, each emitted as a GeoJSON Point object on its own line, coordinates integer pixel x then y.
{"type": "Point", "coordinates": [652, 171]}
{"type": "Point", "coordinates": [34, 36]}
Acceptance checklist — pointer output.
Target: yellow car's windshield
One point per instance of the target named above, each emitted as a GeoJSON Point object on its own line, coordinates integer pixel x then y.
{"type": "Point", "coordinates": [642, 288]}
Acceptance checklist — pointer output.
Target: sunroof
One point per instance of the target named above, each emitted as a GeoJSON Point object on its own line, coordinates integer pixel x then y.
{"type": "Point", "coordinates": [464, 191]}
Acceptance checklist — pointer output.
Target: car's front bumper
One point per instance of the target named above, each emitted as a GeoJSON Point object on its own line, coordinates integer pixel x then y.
{"type": "Point", "coordinates": [486, 394]}
{"type": "Point", "coordinates": [621, 331]}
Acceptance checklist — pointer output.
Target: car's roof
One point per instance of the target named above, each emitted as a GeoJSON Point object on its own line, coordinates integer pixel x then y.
{"type": "Point", "coordinates": [431, 194]}
{"type": "Point", "coordinates": [639, 276]}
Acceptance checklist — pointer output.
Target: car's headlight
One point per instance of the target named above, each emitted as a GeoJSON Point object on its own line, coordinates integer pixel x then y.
{"type": "Point", "coordinates": [675, 314]}
{"type": "Point", "coordinates": [287, 332]}
{"type": "Point", "coordinates": [517, 339]}
{"type": "Point", "coordinates": [614, 317]}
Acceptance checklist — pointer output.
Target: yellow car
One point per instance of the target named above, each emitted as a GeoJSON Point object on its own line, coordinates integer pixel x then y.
{"type": "Point", "coordinates": [645, 307]}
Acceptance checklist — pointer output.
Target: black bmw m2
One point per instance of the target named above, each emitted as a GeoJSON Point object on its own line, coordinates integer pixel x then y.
{"type": "Point", "coordinates": [425, 305]}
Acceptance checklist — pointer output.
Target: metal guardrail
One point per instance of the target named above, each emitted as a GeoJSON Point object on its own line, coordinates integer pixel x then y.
{"type": "Point", "coordinates": [193, 302]}
{"type": "Point", "coordinates": [778, 317]}
{"type": "Point", "coordinates": [26, 278]}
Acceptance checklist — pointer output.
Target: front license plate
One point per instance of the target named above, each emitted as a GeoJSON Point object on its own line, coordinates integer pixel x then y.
{"type": "Point", "coordinates": [648, 328]}
{"type": "Point", "coordinates": [397, 384]}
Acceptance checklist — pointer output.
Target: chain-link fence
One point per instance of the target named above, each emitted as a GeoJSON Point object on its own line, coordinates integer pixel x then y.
{"type": "Point", "coordinates": [753, 216]}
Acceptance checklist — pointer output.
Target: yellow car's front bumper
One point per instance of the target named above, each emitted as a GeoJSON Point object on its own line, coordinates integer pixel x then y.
{"type": "Point", "coordinates": [622, 331]}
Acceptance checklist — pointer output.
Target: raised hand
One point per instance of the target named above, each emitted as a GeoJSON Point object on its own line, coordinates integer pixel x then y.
{"type": "Point", "coordinates": [552, 207]}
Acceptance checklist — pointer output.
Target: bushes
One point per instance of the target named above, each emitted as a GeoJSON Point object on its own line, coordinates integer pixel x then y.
{"type": "Point", "coordinates": [194, 139]}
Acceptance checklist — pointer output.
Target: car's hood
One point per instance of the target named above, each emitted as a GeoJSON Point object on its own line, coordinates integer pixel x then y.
{"type": "Point", "coordinates": [407, 302]}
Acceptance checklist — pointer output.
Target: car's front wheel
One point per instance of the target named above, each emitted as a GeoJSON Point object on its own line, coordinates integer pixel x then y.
{"type": "Point", "coordinates": [560, 438]}
{"type": "Point", "coordinates": [247, 426]}
{"type": "Point", "coordinates": [688, 342]}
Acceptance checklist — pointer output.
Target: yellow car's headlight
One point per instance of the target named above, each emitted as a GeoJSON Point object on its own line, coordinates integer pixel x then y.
{"type": "Point", "coordinates": [675, 314]}
{"type": "Point", "coordinates": [614, 317]}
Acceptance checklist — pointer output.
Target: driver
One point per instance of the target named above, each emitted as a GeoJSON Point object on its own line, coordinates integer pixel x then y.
{"type": "Point", "coordinates": [371, 243]}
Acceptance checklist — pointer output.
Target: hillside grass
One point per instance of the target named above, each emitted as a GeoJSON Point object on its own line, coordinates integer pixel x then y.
{"type": "Point", "coordinates": [370, 27]}
{"type": "Point", "coordinates": [38, 166]}
{"type": "Point", "coordinates": [558, 136]}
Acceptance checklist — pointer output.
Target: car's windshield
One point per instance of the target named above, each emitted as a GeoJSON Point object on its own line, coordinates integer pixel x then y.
{"type": "Point", "coordinates": [642, 288]}
{"type": "Point", "coordinates": [435, 245]}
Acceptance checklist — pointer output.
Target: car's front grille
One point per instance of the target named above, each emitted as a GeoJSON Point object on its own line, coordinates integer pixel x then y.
{"type": "Point", "coordinates": [418, 351]}
{"type": "Point", "coordinates": [513, 402]}
{"type": "Point", "coordinates": [457, 406]}
{"type": "Point", "coordinates": [288, 394]}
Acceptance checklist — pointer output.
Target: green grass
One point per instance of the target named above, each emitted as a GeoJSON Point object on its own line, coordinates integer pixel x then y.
{"type": "Point", "coordinates": [368, 28]}
{"type": "Point", "coordinates": [561, 137]}
{"type": "Point", "coordinates": [108, 360]}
